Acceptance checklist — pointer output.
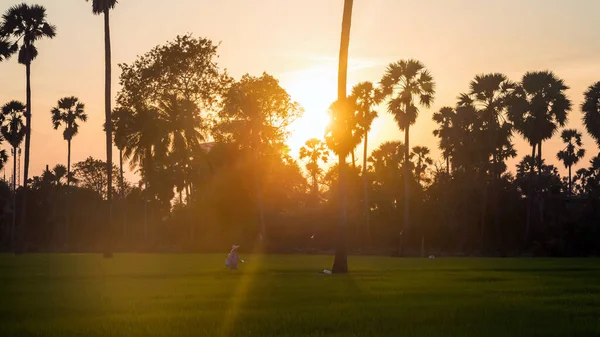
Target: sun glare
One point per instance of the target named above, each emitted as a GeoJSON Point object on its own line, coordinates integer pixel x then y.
{"type": "Point", "coordinates": [314, 89]}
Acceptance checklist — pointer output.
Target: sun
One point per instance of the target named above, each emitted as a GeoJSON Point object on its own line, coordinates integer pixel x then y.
{"type": "Point", "coordinates": [315, 90]}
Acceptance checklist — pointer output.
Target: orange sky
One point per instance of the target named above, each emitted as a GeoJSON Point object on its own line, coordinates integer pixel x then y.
{"type": "Point", "coordinates": [297, 41]}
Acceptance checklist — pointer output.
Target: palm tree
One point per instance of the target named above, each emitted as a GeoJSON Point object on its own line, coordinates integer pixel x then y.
{"type": "Point", "coordinates": [68, 112]}
{"type": "Point", "coordinates": [572, 153]}
{"type": "Point", "coordinates": [366, 97]}
{"type": "Point", "coordinates": [537, 107]}
{"type": "Point", "coordinates": [340, 263]}
{"type": "Point", "coordinates": [444, 119]}
{"type": "Point", "coordinates": [404, 82]}
{"type": "Point", "coordinates": [26, 24]}
{"type": "Point", "coordinates": [13, 130]}
{"type": "Point", "coordinates": [104, 7]}
{"type": "Point", "coordinates": [422, 162]}
{"type": "Point", "coordinates": [5, 49]}
{"type": "Point", "coordinates": [488, 95]}
{"type": "Point", "coordinates": [591, 111]}
{"type": "Point", "coordinates": [315, 151]}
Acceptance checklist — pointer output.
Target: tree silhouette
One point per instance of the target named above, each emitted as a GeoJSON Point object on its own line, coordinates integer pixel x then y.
{"type": "Point", "coordinates": [103, 7]}
{"type": "Point", "coordinates": [488, 96]}
{"type": "Point", "coordinates": [422, 162]}
{"type": "Point", "coordinates": [591, 111]}
{"type": "Point", "coordinates": [68, 112]}
{"type": "Point", "coordinates": [366, 96]}
{"type": "Point", "coordinates": [538, 106]}
{"type": "Point", "coordinates": [26, 24]}
{"type": "Point", "coordinates": [13, 130]}
{"type": "Point", "coordinates": [404, 82]}
{"type": "Point", "coordinates": [444, 118]}
{"type": "Point", "coordinates": [315, 151]}
{"type": "Point", "coordinates": [338, 132]}
{"type": "Point", "coordinates": [256, 116]}
{"type": "Point", "coordinates": [572, 153]}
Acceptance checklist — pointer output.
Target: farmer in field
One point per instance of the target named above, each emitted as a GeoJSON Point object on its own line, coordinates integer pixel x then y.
{"type": "Point", "coordinates": [233, 259]}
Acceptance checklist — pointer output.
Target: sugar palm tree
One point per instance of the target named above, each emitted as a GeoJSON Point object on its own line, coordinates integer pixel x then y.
{"type": "Point", "coordinates": [422, 162]}
{"type": "Point", "coordinates": [444, 118]}
{"type": "Point", "coordinates": [572, 153]}
{"type": "Point", "coordinates": [26, 24]}
{"type": "Point", "coordinates": [68, 112]}
{"type": "Point", "coordinates": [13, 130]}
{"type": "Point", "coordinates": [340, 263]}
{"type": "Point", "coordinates": [103, 7]}
{"type": "Point", "coordinates": [407, 84]}
{"type": "Point", "coordinates": [537, 107]}
{"type": "Point", "coordinates": [315, 151]}
{"type": "Point", "coordinates": [591, 111]}
{"type": "Point", "coordinates": [366, 96]}
{"type": "Point", "coordinates": [488, 95]}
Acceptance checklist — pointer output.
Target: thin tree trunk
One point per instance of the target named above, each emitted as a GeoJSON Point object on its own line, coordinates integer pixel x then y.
{"type": "Point", "coordinates": [14, 205]}
{"type": "Point", "coordinates": [108, 121]}
{"type": "Point", "coordinates": [68, 162]}
{"type": "Point", "coordinates": [122, 193]}
{"type": "Point", "coordinates": [448, 165]}
{"type": "Point", "coordinates": [67, 215]}
{"type": "Point", "coordinates": [530, 196]}
{"type": "Point", "coordinates": [353, 159]}
{"type": "Point", "coordinates": [340, 262]}
{"type": "Point", "coordinates": [541, 200]}
{"type": "Point", "coordinates": [366, 207]}
{"type": "Point", "coordinates": [23, 224]}
{"type": "Point", "coordinates": [570, 182]}
{"type": "Point", "coordinates": [406, 224]}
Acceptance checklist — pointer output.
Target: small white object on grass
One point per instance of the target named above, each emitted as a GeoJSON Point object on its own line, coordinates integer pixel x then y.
{"type": "Point", "coordinates": [431, 257]}
{"type": "Point", "coordinates": [327, 272]}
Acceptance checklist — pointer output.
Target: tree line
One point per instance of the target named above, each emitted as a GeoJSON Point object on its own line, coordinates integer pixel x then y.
{"type": "Point", "coordinates": [214, 166]}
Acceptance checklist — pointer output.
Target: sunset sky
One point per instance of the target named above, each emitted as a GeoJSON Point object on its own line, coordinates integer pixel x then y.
{"type": "Point", "coordinates": [298, 42]}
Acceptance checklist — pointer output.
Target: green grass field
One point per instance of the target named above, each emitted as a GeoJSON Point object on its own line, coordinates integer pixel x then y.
{"type": "Point", "coordinates": [193, 295]}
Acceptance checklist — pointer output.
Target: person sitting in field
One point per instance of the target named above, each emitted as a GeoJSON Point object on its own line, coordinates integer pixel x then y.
{"type": "Point", "coordinates": [233, 258]}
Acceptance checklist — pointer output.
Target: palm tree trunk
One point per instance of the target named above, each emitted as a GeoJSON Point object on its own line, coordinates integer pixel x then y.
{"type": "Point", "coordinates": [67, 215]}
{"type": "Point", "coordinates": [541, 204]}
{"type": "Point", "coordinates": [122, 193]}
{"type": "Point", "coordinates": [570, 182]}
{"type": "Point", "coordinates": [530, 197]}
{"type": "Point", "coordinates": [68, 162]}
{"type": "Point", "coordinates": [23, 225]}
{"type": "Point", "coordinates": [14, 205]}
{"type": "Point", "coordinates": [340, 262]}
{"type": "Point", "coordinates": [366, 208]}
{"type": "Point", "coordinates": [108, 120]}
{"type": "Point", "coordinates": [406, 224]}
{"type": "Point", "coordinates": [448, 164]}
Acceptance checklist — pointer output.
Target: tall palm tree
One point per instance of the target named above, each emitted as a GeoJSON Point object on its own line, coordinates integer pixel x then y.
{"type": "Point", "coordinates": [572, 153]}
{"type": "Point", "coordinates": [591, 111]}
{"type": "Point", "coordinates": [488, 95]}
{"type": "Point", "coordinates": [366, 96]}
{"type": "Point", "coordinates": [68, 112]}
{"type": "Point", "coordinates": [444, 119]}
{"type": "Point", "coordinates": [315, 151]}
{"type": "Point", "coordinates": [422, 162]}
{"type": "Point", "coordinates": [26, 24]}
{"type": "Point", "coordinates": [404, 82]}
{"type": "Point", "coordinates": [104, 7]}
{"type": "Point", "coordinates": [537, 107]}
{"type": "Point", "coordinates": [13, 130]}
{"type": "Point", "coordinates": [340, 263]}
